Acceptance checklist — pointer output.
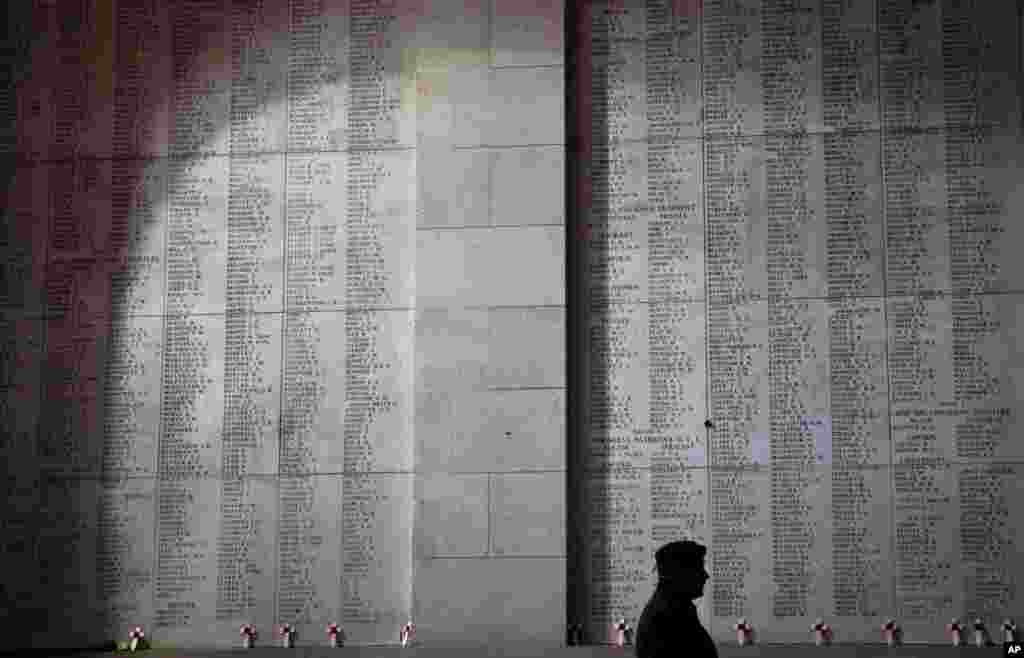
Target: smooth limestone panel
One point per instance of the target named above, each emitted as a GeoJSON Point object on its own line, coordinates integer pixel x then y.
{"type": "Point", "coordinates": [493, 431]}
{"type": "Point", "coordinates": [520, 106]}
{"type": "Point", "coordinates": [484, 187]}
{"type": "Point", "coordinates": [454, 185]}
{"type": "Point", "coordinates": [495, 602]}
{"type": "Point", "coordinates": [452, 516]}
{"type": "Point", "coordinates": [539, 171]}
{"type": "Point", "coordinates": [527, 514]}
{"type": "Point", "coordinates": [526, 33]}
{"type": "Point", "coordinates": [480, 349]}
{"type": "Point", "coordinates": [476, 267]}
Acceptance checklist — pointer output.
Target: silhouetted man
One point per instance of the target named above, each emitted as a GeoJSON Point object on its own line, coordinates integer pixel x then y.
{"type": "Point", "coordinates": [669, 626]}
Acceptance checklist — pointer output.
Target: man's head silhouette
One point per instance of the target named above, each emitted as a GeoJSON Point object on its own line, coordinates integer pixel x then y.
{"type": "Point", "coordinates": [681, 567]}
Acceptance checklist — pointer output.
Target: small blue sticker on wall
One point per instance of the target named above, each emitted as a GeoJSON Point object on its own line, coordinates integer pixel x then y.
{"type": "Point", "coordinates": [820, 428]}
{"type": "Point", "coordinates": [760, 448]}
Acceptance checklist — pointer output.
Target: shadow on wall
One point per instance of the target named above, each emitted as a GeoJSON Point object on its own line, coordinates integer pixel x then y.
{"type": "Point", "coordinates": [111, 112]}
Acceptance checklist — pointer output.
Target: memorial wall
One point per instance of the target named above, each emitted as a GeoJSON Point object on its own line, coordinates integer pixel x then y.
{"type": "Point", "coordinates": [271, 354]}
{"type": "Point", "coordinates": [289, 336]}
{"type": "Point", "coordinates": [800, 311]}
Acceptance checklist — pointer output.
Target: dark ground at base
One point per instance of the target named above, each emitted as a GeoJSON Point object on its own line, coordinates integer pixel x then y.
{"type": "Point", "coordinates": [538, 651]}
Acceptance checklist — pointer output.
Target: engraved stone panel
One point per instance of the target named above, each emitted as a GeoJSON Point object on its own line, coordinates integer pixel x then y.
{"type": "Point", "coordinates": [139, 208]}
{"type": "Point", "coordinates": [911, 65]}
{"type": "Point", "coordinates": [125, 553]}
{"type": "Point", "coordinates": [144, 73]}
{"type": "Point", "coordinates": [259, 66]}
{"type": "Point", "coordinates": [379, 395]}
{"type": "Point", "coordinates": [21, 372]}
{"type": "Point", "coordinates": [201, 59]}
{"type": "Point", "coordinates": [862, 558]}
{"type": "Point", "coordinates": [197, 234]}
{"type": "Point", "coordinates": [317, 81]}
{"type": "Point", "coordinates": [254, 277]}
{"type": "Point", "coordinates": [927, 570]}
{"type": "Point", "coordinates": [376, 549]}
{"type": "Point", "coordinates": [989, 539]}
{"type": "Point", "coordinates": [131, 397]}
{"type": "Point", "coordinates": [65, 553]}
{"type": "Point", "coordinates": [313, 393]}
{"type": "Point", "coordinates": [246, 555]}
{"type": "Point", "coordinates": [249, 441]}
{"type": "Point", "coordinates": [185, 565]}
{"type": "Point", "coordinates": [732, 49]}
{"type": "Point", "coordinates": [380, 247]}
{"type": "Point", "coordinates": [70, 439]}
{"type": "Point", "coordinates": [309, 554]}
{"type": "Point", "coordinates": [741, 546]}
{"type": "Point", "coordinates": [618, 557]}
{"type": "Point", "coordinates": [377, 116]}
{"type": "Point", "coordinates": [849, 60]}
{"type": "Point", "coordinates": [316, 233]}
{"type": "Point", "coordinates": [23, 243]}
{"type": "Point", "coordinates": [193, 388]}
{"type": "Point", "coordinates": [83, 55]}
